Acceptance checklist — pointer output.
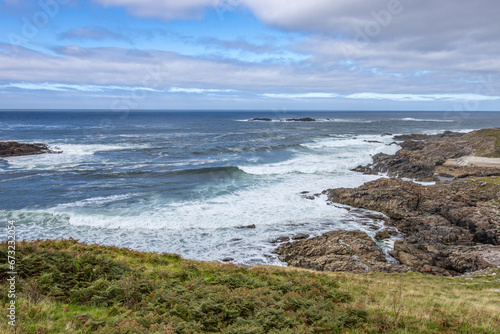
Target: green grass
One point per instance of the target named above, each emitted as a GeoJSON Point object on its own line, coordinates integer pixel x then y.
{"type": "Point", "coordinates": [69, 287]}
{"type": "Point", "coordinates": [488, 180]}
{"type": "Point", "coordinates": [495, 133]}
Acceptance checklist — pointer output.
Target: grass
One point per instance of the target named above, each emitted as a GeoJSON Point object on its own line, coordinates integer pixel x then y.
{"type": "Point", "coordinates": [495, 133]}
{"type": "Point", "coordinates": [69, 287]}
{"type": "Point", "coordinates": [488, 180]}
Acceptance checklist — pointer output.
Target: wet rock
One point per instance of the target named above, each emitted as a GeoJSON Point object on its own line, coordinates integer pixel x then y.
{"type": "Point", "coordinates": [304, 119]}
{"type": "Point", "coordinates": [248, 226]}
{"type": "Point", "coordinates": [385, 234]}
{"type": "Point", "coordinates": [300, 236]}
{"type": "Point", "coordinates": [227, 259]}
{"type": "Point", "coordinates": [9, 149]}
{"type": "Point", "coordinates": [280, 240]}
{"type": "Point", "coordinates": [260, 119]}
{"type": "Point", "coordinates": [352, 251]}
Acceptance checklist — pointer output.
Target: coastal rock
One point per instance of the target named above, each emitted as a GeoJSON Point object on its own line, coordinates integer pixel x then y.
{"type": "Point", "coordinates": [385, 234]}
{"type": "Point", "coordinates": [11, 148]}
{"type": "Point", "coordinates": [422, 156]}
{"type": "Point", "coordinates": [304, 119]}
{"type": "Point", "coordinates": [280, 240]}
{"type": "Point", "coordinates": [352, 251]}
{"type": "Point", "coordinates": [265, 119]}
{"type": "Point", "coordinates": [451, 227]}
{"type": "Point", "coordinates": [247, 226]}
{"type": "Point", "coordinates": [300, 236]}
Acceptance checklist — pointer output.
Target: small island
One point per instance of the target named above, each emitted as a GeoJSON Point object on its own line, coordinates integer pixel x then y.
{"type": "Point", "coordinates": [12, 148]}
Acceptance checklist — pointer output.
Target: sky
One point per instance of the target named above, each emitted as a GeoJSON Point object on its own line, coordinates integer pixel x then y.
{"type": "Point", "coordinates": [250, 54]}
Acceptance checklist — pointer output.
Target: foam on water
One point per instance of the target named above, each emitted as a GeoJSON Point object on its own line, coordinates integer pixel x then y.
{"type": "Point", "coordinates": [187, 182]}
{"type": "Point", "coordinates": [72, 156]}
{"type": "Point", "coordinates": [410, 119]}
{"type": "Point", "coordinates": [206, 227]}
{"type": "Point", "coordinates": [329, 155]}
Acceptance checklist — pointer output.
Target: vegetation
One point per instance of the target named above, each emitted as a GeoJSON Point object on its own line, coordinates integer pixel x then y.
{"type": "Point", "coordinates": [69, 287]}
{"type": "Point", "coordinates": [488, 180]}
{"type": "Point", "coordinates": [484, 147]}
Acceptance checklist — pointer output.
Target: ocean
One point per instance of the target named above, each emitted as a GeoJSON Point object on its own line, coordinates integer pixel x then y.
{"type": "Point", "coordinates": [187, 182]}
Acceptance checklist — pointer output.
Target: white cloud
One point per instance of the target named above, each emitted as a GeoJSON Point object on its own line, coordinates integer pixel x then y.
{"type": "Point", "coordinates": [165, 9]}
{"type": "Point", "coordinates": [302, 96]}
{"type": "Point", "coordinates": [199, 90]}
{"type": "Point", "coordinates": [422, 97]}
{"type": "Point", "coordinates": [60, 87]}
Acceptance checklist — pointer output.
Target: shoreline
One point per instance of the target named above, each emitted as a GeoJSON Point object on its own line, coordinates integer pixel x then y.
{"type": "Point", "coordinates": [450, 228]}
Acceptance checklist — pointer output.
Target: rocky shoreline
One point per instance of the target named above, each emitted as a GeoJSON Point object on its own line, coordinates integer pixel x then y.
{"type": "Point", "coordinates": [449, 228]}
{"type": "Point", "coordinates": [11, 148]}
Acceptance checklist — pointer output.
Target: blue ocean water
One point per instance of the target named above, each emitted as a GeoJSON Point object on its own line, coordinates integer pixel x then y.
{"type": "Point", "coordinates": [184, 182]}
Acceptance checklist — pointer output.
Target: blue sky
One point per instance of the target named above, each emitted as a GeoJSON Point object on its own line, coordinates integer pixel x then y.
{"type": "Point", "coordinates": [250, 54]}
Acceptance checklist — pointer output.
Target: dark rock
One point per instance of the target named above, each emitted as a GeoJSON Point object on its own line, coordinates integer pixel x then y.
{"type": "Point", "coordinates": [8, 149]}
{"type": "Point", "coordinates": [453, 225]}
{"type": "Point", "coordinates": [385, 234]}
{"type": "Point", "coordinates": [260, 119]}
{"type": "Point", "coordinates": [248, 226]}
{"type": "Point", "coordinates": [280, 240]}
{"type": "Point", "coordinates": [304, 119]}
{"type": "Point", "coordinates": [300, 236]}
{"type": "Point", "coordinates": [422, 156]}
{"type": "Point", "coordinates": [352, 251]}
{"type": "Point", "coordinates": [227, 259]}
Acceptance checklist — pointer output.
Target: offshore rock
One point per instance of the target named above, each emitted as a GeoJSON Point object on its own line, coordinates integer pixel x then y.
{"type": "Point", "coordinates": [260, 119]}
{"type": "Point", "coordinates": [304, 119]}
{"type": "Point", "coordinates": [11, 148]}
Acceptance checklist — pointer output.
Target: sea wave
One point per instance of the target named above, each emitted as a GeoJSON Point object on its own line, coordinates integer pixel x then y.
{"type": "Point", "coordinates": [409, 119]}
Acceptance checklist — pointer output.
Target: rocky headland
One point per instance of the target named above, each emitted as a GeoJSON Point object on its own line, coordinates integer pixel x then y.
{"type": "Point", "coordinates": [11, 148]}
{"type": "Point", "coordinates": [426, 157]}
{"type": "Point", "coordinates": [449, 228]}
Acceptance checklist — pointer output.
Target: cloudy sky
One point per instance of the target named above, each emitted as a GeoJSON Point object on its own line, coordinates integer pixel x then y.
{"type": "Point", "coordinates": [250, 54]}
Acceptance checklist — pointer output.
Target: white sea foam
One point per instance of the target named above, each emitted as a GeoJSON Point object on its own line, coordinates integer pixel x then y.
{"type": "Point", "coordinates": [206, 226]}
{"type": "Point", "coordinates": [329, 155]}
{"type": "Point", "coordinates": [72, 156]}
{"type": "Point", "coordinates": [93, 201]}
{"type": "Point", "coordinates": [409, 119]}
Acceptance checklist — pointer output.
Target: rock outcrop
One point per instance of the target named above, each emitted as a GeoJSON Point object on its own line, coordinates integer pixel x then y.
{"type": "Point", "coordinates": [11, 148]}
{"type": "Point", "coordinates": [304, 119]}
{"type": "Point", "coordinates": [265, 119]}
{"type": "Point", "coordinates": [352, 251]}
{"type": "Point", "coordinates": [422, 156]}
{"type": "Point", "coordinates": [451, 227]}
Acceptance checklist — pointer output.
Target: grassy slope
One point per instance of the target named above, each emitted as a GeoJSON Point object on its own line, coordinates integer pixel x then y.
{"type": "Point", "coordinates": [69, 287]}
{"type": "Point", "coordinates": [482, 140]}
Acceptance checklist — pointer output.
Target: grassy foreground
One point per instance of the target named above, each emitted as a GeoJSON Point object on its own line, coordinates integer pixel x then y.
{"type": "Point", "coordinates": [70, 287]}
